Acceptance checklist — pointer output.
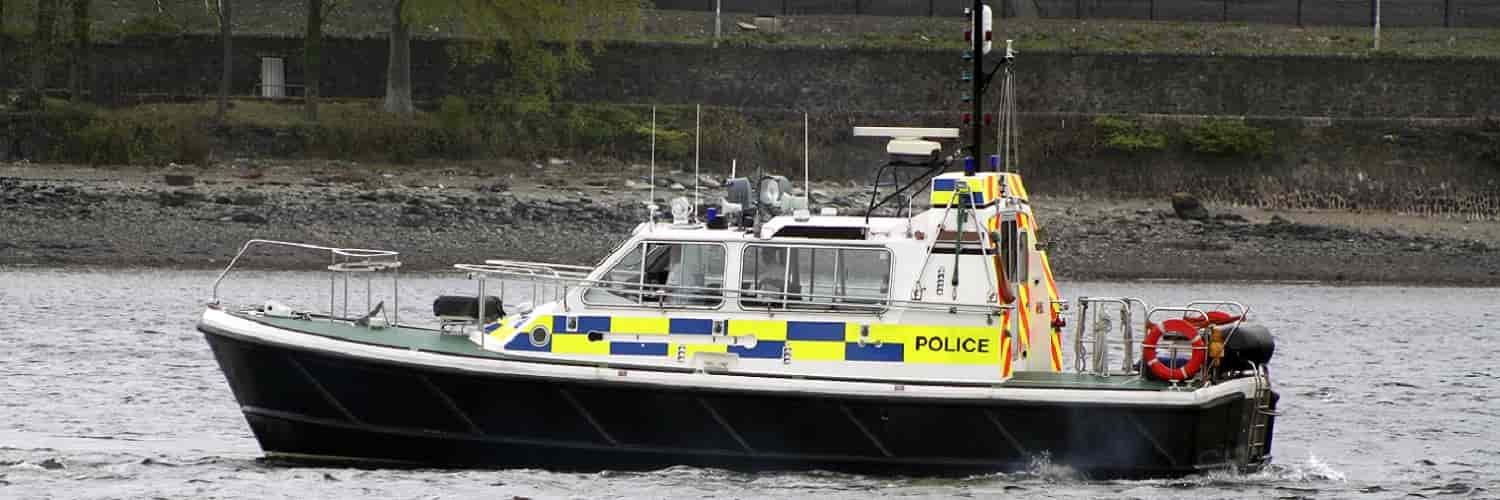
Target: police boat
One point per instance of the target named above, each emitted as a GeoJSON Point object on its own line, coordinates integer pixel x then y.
{"type": "Point", "coordinates": [926, 336]}
{"type": "Point", "coordinates": [931, 343]}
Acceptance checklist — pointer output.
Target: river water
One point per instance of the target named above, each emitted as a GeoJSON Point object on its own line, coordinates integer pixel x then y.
{"type": "Point", "coordinates": [107, 391]}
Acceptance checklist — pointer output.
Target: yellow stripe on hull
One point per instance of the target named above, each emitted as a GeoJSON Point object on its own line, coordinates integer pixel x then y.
{"type": "Point", "coordinates": [577, 343]}
{"type": "Point", "coordinates": [814, 350]}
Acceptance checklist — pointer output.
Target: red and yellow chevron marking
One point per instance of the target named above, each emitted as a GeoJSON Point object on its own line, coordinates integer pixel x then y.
{"type": "Point", "coordinates": [991, 188]}
{"type": "Point", "coordinates": [1022, 300]}
{"type": "Point", "coordinates": [1015, 187]}
{"type": "Point", "coordinates": [1053, 306]}
{"type": "Point", "coordinates": [1005, 357]}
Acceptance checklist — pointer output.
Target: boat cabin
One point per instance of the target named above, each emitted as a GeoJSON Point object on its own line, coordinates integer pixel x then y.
{"type": "Point", "coordinates": [958, 293]}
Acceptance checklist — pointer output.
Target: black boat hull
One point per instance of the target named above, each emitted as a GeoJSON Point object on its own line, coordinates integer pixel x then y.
{"type": "Point", "coordinates": [315, 405]}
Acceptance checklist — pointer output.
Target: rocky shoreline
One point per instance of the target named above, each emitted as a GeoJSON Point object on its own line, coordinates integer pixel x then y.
{"type": "Point", "coordinates": [60, 216]}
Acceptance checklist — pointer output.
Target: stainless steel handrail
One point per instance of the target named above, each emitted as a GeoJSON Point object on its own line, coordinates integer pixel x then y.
{"type": "Point", "coordinates": [1100, 359]}
{"type": "Point", "coordinates": [879, 304]}
{"type": "Point", "coordinates": [334, 254]}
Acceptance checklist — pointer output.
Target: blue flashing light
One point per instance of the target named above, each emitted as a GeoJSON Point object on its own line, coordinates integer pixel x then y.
{"type": "Point", "coordinates": [968, 165]}
{"type": "Point", "coordinates": [995, 162]}
{"type": "Point", "coordinates": [713, 213]}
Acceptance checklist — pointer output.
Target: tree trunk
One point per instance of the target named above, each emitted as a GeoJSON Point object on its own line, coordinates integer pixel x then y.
{"type": "Point", "coordinates": [312, 58]}
{"type": "Point", "coordinates": [224, 39]}
{"type": "Point", "coordinates": [80, 68]}
{"type": "Point", "coordinates": [2, 32]}
{"type": "Point", "coordinates": [398, 69]}
{"type": "Point", "coordinates": [41, 46]}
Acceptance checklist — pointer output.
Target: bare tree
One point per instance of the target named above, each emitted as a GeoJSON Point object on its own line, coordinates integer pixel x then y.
{"type": "Point", "coordinates": [224, 38]}
{"type": "Point", "coordinates": [2, 29]}
{"type": "Point", "coordinates": [79, 68]}
{"type": "Point", "coordinates": [312, 57]}
{"type": "Point", "coordinates": [398, 67]}
{"type": "Point", "coordinates": [42, 44]}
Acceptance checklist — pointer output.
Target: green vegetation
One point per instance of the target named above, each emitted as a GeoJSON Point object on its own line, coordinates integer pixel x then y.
{"type": "Point", "coordinates": [371, 19]}
{"type": "Point", "coordinates": [1489, 138]}
{"type": "Point", "coordinates": [145, 27]}
{"type": "Point", "coordinates": [1230, 137]}
{"type": "Point", "coordinates": [458, 129]}
{"type": "Point", "coordinates": [1129, 135]}
{"type": "Point", "coordinates": [82, 134]}
{"type": "Point", "coordinates": [1145, 36]}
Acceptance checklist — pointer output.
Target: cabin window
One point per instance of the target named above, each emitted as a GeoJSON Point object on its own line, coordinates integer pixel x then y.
{"type": "Point", "coordinates": [663, 274]}
{"type": "Point", "coordinates": [823, 278]}
{"type": "Point", "coordinates": [1015, 250]}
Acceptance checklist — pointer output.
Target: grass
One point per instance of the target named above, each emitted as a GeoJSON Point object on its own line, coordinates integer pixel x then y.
{"type": "Point", "coordinates": [360, 129]}
{"type": "Point", "coordinates": [369, 19]}
{"type": "Point", "coordinates": [1156, 37]}
{"type": "Point", "coordinates": [357, 129]}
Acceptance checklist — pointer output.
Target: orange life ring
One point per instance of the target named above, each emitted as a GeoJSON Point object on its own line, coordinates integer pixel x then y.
{"type": "Point", "coordinates": [1161, 370]}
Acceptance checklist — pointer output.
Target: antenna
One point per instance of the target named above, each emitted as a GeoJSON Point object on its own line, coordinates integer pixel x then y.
{"type": "Point", "coordinates": [733, 166]}
{"type": "Point", "coordinates": [652, 201]}
{"type": "Point", "coordinates": [806, 179]}
{"type": "Point", "coordinates": [697, 139]}
{"type": "Point", "coordinates": [1002, 151]}
{"type": "Point", "coordinates": [1015, 116]}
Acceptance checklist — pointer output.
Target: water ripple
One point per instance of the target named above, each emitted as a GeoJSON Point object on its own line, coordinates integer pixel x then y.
{"type": "Point", "coordinates": [127, 402]}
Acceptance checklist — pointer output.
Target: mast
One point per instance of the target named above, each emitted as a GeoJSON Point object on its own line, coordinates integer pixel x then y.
{"type": "Point", "coordinates": [976, 121]}
{"type": "Point", "coordinates": [980, 34]}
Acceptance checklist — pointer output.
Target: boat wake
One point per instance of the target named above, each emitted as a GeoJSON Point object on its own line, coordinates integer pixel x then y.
{"type": "Point", "coordinates": [1313, 469]}
{"type": "Point", "coordinates": [1041, 467]}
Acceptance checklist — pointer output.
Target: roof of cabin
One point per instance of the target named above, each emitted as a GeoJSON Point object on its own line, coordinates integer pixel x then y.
{"type": "Point", "coordinates": [838, 228]}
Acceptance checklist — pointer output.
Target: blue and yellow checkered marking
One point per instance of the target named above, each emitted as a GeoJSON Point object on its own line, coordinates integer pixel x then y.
{"type": "Point", "coordinates": [694, 326]}
{"type": "Point", "coordinates": [892, 352]}
{"type": "Point", "coordinates": [808, 340]}
{"type": "Point", "coordinates": [984, 187]}
{"type": "Point", "coordinates": [945, 191]}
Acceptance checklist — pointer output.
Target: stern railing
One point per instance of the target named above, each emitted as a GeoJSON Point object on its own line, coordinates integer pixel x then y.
{"type": "Point", "coordinates": [1097, 340]}
{"type": "Point", "coordinates": [1092, 345]}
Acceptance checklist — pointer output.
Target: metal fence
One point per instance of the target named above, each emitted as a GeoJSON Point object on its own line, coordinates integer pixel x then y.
{"type": "Point", "coordinates": [1447, 13]}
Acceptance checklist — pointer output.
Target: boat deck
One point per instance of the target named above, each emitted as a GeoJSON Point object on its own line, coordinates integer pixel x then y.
{"type": "Point", "coordinates": [430, 341]}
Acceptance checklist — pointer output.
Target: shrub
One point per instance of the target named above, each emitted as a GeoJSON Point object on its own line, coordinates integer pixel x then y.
{"type": "Point", "coordinates": [453, 114]}
{"type": "Point", "coordinates": [107, 141]}
{"type": "Point", "coordinates": [1492, 153]}
{"type": "Point", "coordinates": [670, 144]}
{"type": "Point", "coordinates": [1230, 138]}
{"type": "Point", "coordinates": [1129, 136]}
{"type": "Point", "coordinates": [159, 25]}
{"type": "Point", "coordinates": [599, 129]}
{"type": "Point", "coordinates": [190, 143]}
